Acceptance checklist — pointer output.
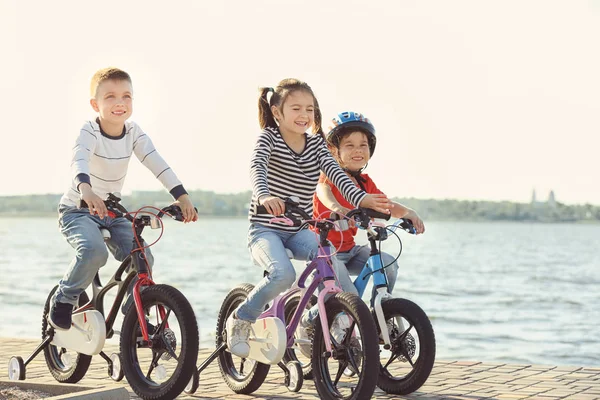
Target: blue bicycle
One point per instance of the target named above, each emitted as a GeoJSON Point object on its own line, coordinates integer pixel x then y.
{"type": "Point", "coordinates": [406, 334]}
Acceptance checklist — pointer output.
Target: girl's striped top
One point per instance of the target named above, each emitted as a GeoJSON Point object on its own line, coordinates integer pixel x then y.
{"type": "Point", "coordinates": [102, 161]}
{"type": "Point", "coordinates": [277, 170]}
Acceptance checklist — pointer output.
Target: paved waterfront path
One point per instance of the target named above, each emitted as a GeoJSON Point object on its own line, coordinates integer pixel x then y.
{"type": "Point", "coordinates": [449, 379]}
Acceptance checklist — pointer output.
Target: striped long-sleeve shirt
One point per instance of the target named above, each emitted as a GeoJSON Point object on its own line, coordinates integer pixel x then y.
{"type": "Point", "coordinates": [102, 161]}
{"type": "Point", "coordinates": [277, 170]}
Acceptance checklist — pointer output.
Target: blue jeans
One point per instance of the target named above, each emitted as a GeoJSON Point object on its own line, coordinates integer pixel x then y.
{"type": "Point", "coordinates": [267, 249]}
{"type": "Point", "coordinates": [354, 260]}
{"type": "Point", "coordinates": [82, 231]}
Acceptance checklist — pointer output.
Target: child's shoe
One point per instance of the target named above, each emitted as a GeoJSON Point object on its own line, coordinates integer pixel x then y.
{"type": "Point", "coordinates": [60, 316]}
{"type": "Point", "coordinates": [238, 332]}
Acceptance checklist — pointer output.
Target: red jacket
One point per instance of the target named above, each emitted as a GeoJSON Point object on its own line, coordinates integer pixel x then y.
{"type": "Point", "coordinates": [345, 238]}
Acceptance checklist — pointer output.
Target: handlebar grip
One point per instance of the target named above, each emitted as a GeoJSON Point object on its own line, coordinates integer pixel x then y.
{"type": "Point", "coordinates": [408, 226]}
{"type": "Point", "coordinates": [376, 214]}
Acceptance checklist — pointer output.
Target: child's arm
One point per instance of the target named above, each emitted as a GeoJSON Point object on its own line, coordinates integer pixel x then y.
{"type": "Point", "coordinates": [149, 157]}
{"type": "Point", "coordinates": [326, 196]}
{"type": "Point", "coordinates": [401, 211]}
{"type": "Point", "coordinates": [258, 174]}
{"type": "Point", "coordinates": [80, 169]}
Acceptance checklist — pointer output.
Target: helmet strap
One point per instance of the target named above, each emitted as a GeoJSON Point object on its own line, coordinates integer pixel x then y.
{"type": "Point", "coordinates": [357, 176]}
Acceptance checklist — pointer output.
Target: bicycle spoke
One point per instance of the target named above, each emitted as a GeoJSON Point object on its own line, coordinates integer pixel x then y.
{"type": "Point", "coordinates": [171, 350]}
{"type": "Point", "coordinates": [392, 358]}
{"type": "Point", "coordinates": [407, 356]}
{"type": "Point", "coordinates": [405, 333]}
{"type": "Point", "coordinates": [352, 361]}
{"type": "Point", "coordinates": [349, 331]}
{"type": "Point", "coordinates": [153, 364]}
{"type": "Point", "coordinates": [341, 368]}
{"type": "Point", "coordinates": [161, 327]}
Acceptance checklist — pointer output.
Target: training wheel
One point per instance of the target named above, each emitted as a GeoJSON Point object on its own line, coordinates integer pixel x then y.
{"type": "Point", "coordinates": [115, 370]}
{"type": "Point", "coordinates": [192, 385]}
{"type": "Point", "coordinates": [16, 369]}
{"type": "Point", "coordinates": [294, 381]}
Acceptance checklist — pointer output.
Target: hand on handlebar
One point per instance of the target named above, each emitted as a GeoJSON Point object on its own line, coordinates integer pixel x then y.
{"type": "Point", "coordinates": [416, 220]}
{"type": "Point", "coordinates": [274, 205]}
{"type": "Point", "coordinates": [94, 202]}
{"type": "Point", "coordinates": [377, 202]}
{"type": "Point", "coordinates": [187, 208]}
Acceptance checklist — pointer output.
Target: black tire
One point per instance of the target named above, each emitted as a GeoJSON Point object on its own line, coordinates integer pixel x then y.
{"type": "Point", "coordinates": [174, 349]}
{"type": "Point", "coordinates": [238, 380]}
{"type": "Point", "coordinates": [414, 348]}
{"type": "Point", "coordinates": [365, 381]}
{"type": "Point", "coordinates": [291, 353]}
{"type": "Point", "coordinates": [62, 369]}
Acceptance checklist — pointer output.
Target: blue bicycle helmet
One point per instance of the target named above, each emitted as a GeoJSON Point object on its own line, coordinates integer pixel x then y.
{"type": "Point", "coordinates": [350, 121]}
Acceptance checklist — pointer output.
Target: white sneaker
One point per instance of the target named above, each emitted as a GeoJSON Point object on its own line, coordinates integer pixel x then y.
{"type": "Point", "coordinates": [238, 332]}
{"type": "Point", "coordinates": [339, 327]}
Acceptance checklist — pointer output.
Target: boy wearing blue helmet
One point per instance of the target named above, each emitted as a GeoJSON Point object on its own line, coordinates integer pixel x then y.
{"type": "Point", "coordinates": [351, 140]}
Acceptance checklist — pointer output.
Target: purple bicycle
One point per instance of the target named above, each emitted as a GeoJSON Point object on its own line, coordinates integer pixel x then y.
{"type": "Point", "coordinates": [344, 335]}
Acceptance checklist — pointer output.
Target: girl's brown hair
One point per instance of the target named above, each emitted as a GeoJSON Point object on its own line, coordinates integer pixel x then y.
{"type": "Point", "coordinates": [280, 94]}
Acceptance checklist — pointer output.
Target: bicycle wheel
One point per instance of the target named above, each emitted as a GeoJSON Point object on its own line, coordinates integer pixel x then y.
{"type": "Point", "coordinates": [162, 367]}
{"type": "Point", "coordinates": [300, 352]}
{"type": "Point", "coordinates": [66, 366]}
{"type": "Point", "coordinates": [354, 348]}
{"type": "Point", "coordinates": [240, 374]}
{"type": "Point", "coordinates": [407, 365]}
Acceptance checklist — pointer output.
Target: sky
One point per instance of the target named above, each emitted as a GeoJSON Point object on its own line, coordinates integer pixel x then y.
{"type": "Point", "coordinates": [478, 100]}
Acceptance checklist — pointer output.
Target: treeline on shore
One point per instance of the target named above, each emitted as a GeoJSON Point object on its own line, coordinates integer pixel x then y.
{"type": "Point", "coordinates": [236, 205]}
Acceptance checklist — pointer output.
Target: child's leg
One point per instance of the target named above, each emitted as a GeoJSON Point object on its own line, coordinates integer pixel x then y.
{"type": "Point", "coordinates": [82, 231]}
{"type": "Point", "coordinates": [268, 252]}
{"type": "Point", "coordinates": [357, 257]}
{"type": "Point", "coordinates": [120, 245]}
{"type": "Point", "coordinates": [121, 241]}
{"type": "Point", "coordinates": [391, 271]}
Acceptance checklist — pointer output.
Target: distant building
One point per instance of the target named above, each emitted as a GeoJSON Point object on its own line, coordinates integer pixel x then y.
{"type": "Point", "coordinates": [551, 203]}
{"type": "Point", "coordinates": [551, 199]}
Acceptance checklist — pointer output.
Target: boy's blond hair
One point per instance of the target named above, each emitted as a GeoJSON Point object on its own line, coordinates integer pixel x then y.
{"type": "Point", "coordinates": [105, 74]}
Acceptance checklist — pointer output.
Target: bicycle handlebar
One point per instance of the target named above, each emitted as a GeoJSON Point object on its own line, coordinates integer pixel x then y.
{"type": "Point", "coordinates": [116, 209]}
{"type": "Point", "coordinates": [361, 215]}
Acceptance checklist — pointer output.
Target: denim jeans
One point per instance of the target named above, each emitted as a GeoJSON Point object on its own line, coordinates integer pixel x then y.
{"type": "Point", "coordinates": [267, 249]}
{"type": "Point", "coordinates": [82, 231]}
{"type": "Point", "coordinates": [352, 262]}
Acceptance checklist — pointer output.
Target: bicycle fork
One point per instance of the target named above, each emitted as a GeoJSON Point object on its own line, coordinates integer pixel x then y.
{"type": "Point", "coordinates": [330, 288]}
{"type": "Point", "coordinates": [385, 334]}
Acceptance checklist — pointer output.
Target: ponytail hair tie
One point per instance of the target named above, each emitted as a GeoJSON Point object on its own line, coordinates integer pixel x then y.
{"type": "Point", "coordinates": [270, 89]}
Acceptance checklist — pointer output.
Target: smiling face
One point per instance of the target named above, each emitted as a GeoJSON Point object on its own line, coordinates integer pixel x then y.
{"type": "Point", "coordinates": [114, 104]}
{"type": "Point", "coordinates": [297, 113]}
{"type": "Point", "coordinates": [353, 152]}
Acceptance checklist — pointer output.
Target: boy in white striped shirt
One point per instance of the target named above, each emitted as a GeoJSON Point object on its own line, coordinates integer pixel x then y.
{"type": "Point", "coordinates": [100, 160]}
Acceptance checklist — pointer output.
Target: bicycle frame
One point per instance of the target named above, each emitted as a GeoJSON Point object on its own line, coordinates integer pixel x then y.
{"type": "Point", "coordinates": [375, 267]}
{"type": "Point", "coordinates": [135, 260]}
{"type": "Point", "coordinates": [323, 274]}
